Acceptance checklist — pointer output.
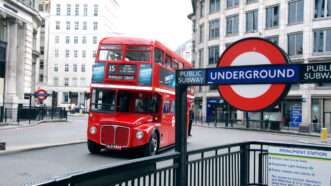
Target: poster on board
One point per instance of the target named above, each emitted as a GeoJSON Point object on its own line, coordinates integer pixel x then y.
{"type": "Point", "coordinates": [293, 166]}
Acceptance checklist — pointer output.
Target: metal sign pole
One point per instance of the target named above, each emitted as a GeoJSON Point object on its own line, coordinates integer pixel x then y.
{"type": "Point", "coordinates": [181, 143]}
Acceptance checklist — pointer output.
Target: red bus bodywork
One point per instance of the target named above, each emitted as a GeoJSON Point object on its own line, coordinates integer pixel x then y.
{"type": "Point", "coordinates": [133, 95]}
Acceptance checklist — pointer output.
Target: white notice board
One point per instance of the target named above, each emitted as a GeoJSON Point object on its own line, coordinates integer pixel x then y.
{"type": "Point", "coordinates": [298, 167]}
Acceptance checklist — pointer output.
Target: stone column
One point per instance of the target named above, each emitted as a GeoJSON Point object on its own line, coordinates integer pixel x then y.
{"type": "Point", "coordinates": [11, 63]}
{"type": "Point", "coordinates": [20, 63]}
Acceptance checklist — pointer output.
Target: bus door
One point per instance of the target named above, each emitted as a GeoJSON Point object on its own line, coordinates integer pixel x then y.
{"type": "Point", "coordinates": [166, 122]}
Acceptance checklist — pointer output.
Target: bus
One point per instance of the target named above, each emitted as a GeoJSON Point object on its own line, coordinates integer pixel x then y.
{"type": "Point", "coordinates": [132, 93]}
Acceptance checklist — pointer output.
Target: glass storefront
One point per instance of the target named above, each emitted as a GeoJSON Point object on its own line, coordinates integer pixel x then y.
{"type": "Point", "coordinates": [219, 111]}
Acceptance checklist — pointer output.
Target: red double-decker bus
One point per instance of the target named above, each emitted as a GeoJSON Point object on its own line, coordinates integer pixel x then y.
{"type": "Point", "coordinates": [133, 95]}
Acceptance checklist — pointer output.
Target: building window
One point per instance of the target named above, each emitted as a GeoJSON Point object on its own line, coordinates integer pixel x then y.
{"type": "Point", "coordinates": [232, 3]}
{"type": "Point", "coordinates": [272, 16]}
{"type": "Point", "coordinates": [295, 11]}
{"type": "Point", "coordinates": [56, 67]}
{"type": "Point", "coordinates": [56, 81]}
{"type": "Point", "coordinates": [68, 10]}
{"type": "Point", "coordinates": [57, 25]}
{"type": "Point", "coordinates": [273, 39]}
{"type": "Point", "coordinates": [84, 40]}
{"type": "Point", "coordinates": [68, 25]}
{"type": "Point", "coordinates": [76, 25]}
{"type": "Point", "coordinates": [213, 54]}
{"type": "Point", "coordinates": [94, 53]}
{"type": "Point", "coordinates": [66, 67]}
{"type": "Point", "coordinates": [82, 81]}
{"type": "Point", "coordinates": [201, 33]}
{"type": "Point", "coordinates": [322, 40]}
{"type": "Point", "coordinates": [232, 24]}
{"type": "Point", "coordinates": [67, 53]}
{"type": "Point", "coordinates": [214, 6]}
{"type": "Point", "coordinates": [66, 83]}
{"type": "Point", "coordinates": [57, 39]}
{"type": "Point", "coordinates": [75, 53]}
{"type": "Point", "coordinates": [84, 53]}
{"type": "Point", "coordinates": [76, 9]}
{"type": "Point", "coordinates": [74, 82]}
{"type": "Point", "coordinates": [252, 21]}
{"type": "Point", "coordinates": [75, 67]}
{"type": "Point", "coordinates": [95, 39]}
{"type": "Point", "coordinates": [202, 8]}
{"type": "Point", "coordinates": [85, 9]}
{"type": "Point", "coordinates": [96, 10]}
{"type": "Point", "coordinates": [83, 68]}
{"type": "Point", "coordinates": [295, 44]}
{"type": "Point", "coordinates": [56, 53]}
{"type": "Point", "coordinates": [67, 39]}
{"type": "Point", "coordinates": [41, 65]}
{"type": "Point", "coordinates": [201, 57]}
{"type": "Point", "coordinates": [214, 29]}
{"type": "Point", "coordinates": [65, 97]}
{"type": "Point", "coordinates": [58, 9]}
{"type": "Point", "coordinates": [251, 1]}
{"type": "Point", "coordinates": [95, 25]}
{"type": "Point", "coordinates": [322, 8]}
{"type": "Point", "coordinates": [84, 25]}
{"type": "Point", "coordinates": [75, 39]}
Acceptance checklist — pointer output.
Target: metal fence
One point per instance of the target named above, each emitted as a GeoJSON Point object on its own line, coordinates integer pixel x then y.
{"type": "Point", "coordinates": [238, 164]}
{"type": "Point", "coordinates": [26, 113]}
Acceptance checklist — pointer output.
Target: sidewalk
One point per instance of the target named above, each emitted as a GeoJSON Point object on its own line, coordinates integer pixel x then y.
{"type": "Point", "coordinates": [41, 135]}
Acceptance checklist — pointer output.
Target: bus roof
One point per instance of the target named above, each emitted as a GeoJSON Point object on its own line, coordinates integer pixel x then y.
{"type": "Point", "coordinates": [140, 41]}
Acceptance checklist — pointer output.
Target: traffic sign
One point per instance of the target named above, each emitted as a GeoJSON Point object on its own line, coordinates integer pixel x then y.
{"type": "Point", "coordinates": [41, 94]}
{"type": "Point", "coordinates": [253, 51]}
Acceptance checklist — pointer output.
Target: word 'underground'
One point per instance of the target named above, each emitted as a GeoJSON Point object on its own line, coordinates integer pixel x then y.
{"type": "Point", "coordinates": [251, 74]}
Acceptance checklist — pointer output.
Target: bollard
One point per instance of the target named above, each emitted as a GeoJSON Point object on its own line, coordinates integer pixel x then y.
{"type": "Point", "coordinates": [324, 134]}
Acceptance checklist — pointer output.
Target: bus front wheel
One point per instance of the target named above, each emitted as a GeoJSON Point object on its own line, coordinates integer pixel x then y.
{"type": "Point", "coordinates": [93, 147]}
{"type": "Point", "coordinates": [153, 146]}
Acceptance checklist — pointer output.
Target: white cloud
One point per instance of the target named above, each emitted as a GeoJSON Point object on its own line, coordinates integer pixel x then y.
{"type": "Point", "coordinates": [163, 20]}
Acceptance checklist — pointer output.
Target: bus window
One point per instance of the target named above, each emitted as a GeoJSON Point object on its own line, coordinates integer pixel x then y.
{"type": "Point", "coordinates": [168, 61]}
{"type": "Point", "coordinates": [123, 101]}
{"type": "Point", "coordinates": [172, 110]}
{"type": "Point", "coordinates": [110, 52]}
{"type": "Point", "coordinates": [103, 100]}
{"type": "Point", "coordinates": [166, 107]}
{"type": "Point", "coordinates": [158, 56]}
{"type": "Point", "coordinates": [149, 104]}
{"type": "Point", "coordinates": [174, 64]}
{"type": "Point", "coordinates": [137, 53]}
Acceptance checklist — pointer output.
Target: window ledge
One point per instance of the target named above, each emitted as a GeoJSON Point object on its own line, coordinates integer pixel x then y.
{"type": "Point", "coordinates": [295, 23]}
{"type": "Point", "coordinates": [232, 34]}
{"type": "Point", "coordinates": [322, 18]}
{"type": "Point", "coordinates": [272, 28]}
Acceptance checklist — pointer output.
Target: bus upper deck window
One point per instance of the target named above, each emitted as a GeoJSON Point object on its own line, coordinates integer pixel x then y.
{"type": "Point", "coordinates": [174, 64]}
{"type": "Point", "coordinates": [137, 53]}
{"type": "Point", "coordinates": [168, 61]}
{"type": "Point", "coordinates": [158, 56]}
{"type": "Point", "coordinates": [110, 52]}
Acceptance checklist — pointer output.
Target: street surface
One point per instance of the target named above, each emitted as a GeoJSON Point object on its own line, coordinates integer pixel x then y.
{"type": "Point", "coordinates": [27, 167]}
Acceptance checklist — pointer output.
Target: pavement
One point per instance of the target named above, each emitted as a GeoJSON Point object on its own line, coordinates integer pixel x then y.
{"type": "Point", "coordinates": [43, 134]}
{"type": "Point", "coordinates": [38, 135]}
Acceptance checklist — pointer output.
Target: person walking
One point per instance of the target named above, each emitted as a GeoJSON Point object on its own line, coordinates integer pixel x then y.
{"type": "Point", "coordinates": [190, 122]}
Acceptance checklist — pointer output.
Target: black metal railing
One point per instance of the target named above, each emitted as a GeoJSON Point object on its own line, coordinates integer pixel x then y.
{"type": "Point", "coordinates": [26, 113]}
{"type": "Point", "coordinates": [239, 164]}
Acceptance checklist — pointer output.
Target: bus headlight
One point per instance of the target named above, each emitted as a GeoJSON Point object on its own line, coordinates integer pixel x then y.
{"type": "Point", "coordinates": [93, 130]}
{"type": "Point", "coordinates": [139, 134]}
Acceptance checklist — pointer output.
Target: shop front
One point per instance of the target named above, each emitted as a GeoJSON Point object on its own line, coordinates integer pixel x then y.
{"type": "Point", "coordinates": [219, 111]}
{"type": "Point", "coordinates": [321, 113]}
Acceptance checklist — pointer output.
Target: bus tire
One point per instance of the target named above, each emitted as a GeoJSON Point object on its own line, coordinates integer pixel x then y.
{"type": "Point", "coordinates": [93, 147]}
{"type": "Point", "coordinates": [153, 145]}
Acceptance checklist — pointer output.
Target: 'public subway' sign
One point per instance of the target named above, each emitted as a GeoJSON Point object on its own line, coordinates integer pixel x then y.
{"type": "Point", "coordinates": [253, 74]}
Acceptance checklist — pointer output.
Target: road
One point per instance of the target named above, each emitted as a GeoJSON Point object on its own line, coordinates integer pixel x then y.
{"type": "Point", "coordinates": [35, 166]}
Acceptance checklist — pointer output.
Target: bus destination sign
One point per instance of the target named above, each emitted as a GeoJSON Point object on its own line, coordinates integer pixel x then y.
{"type": "Point", "coordinates": [191, 77]}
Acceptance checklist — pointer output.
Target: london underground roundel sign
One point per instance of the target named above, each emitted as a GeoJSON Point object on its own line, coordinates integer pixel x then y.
{"type": "Point", "coordinates": [253, 51]}
{"type": "Point", "coordinates": [41, 94]}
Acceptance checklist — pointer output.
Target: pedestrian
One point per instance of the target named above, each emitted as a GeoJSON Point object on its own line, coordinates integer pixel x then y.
{"type": "Point", "coordinates": [190, 123]}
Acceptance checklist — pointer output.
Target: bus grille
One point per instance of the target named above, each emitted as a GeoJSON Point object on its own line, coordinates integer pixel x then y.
{"type": "Point", "coordinates": [115, 135]}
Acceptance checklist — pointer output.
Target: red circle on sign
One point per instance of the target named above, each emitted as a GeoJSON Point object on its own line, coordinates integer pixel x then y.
{"type": "Point", "coordinates": [41, 94]}
{"type": "Point", "coordinates": [273, 54]}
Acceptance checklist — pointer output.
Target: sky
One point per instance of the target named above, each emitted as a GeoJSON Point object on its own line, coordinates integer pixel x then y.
{"type": "Point", "coordinates": [163, 20]}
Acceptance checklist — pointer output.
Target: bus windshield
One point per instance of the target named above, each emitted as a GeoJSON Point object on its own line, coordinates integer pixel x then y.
{"type": "Point", "coordinates": [110, 52]}
{"type": "Point", "coordinates": [137, 53]}
{"type": "Point", "coordinates": [108, 101]}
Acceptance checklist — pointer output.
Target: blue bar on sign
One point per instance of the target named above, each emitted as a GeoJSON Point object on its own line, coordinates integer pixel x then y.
{"type": "Point", "coordinates": [261, 74]}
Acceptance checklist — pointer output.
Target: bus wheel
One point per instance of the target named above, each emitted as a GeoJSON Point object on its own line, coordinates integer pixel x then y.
{"type": "Point", "coordinates": [93, 147]}
{"type": "Point", "coordinates": [153, 146]}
